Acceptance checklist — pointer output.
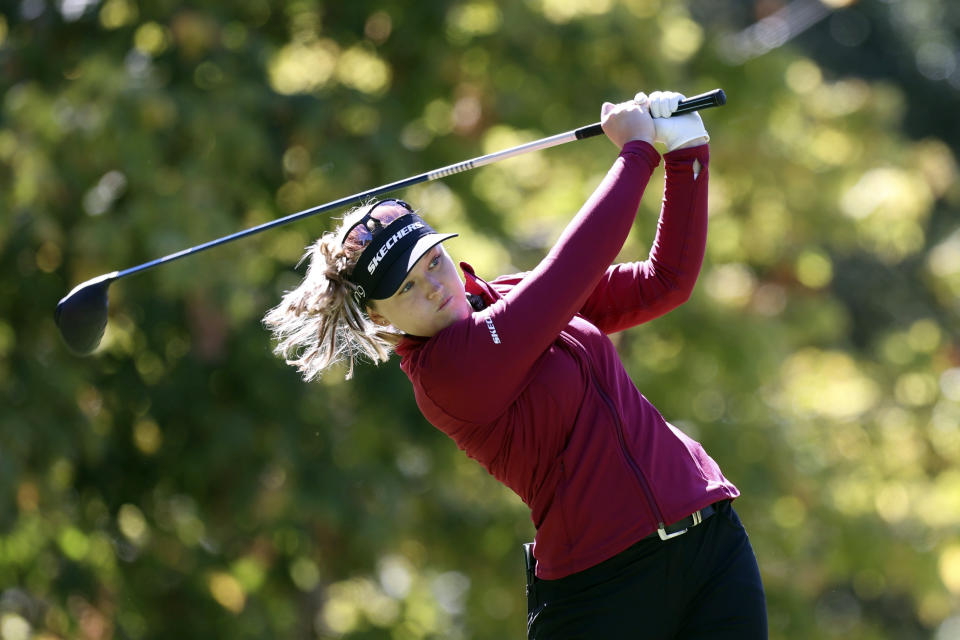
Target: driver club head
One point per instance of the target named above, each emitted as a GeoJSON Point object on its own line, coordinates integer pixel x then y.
{"type": "Point", "coordinates": [81, 315]}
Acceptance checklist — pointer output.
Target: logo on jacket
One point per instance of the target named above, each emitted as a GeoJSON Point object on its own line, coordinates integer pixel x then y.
{"type": "Point", "coordinates": [493, 331]}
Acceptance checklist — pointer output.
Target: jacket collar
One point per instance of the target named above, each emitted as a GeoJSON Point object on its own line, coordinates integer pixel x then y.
{"type": "Point", "coordinates": [477, 285]}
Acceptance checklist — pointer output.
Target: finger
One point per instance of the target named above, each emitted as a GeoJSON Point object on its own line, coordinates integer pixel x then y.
{"type": "Point", "coordinates": [641, 98]}
{"type": "Point", "coordinates": [657, 107]}
{"type": "Point", "coordinates": [673, 101]}
{"type": "Point", "coordinates": [631, 105]}
{"type": "Point", "coordinates": [606, 108]}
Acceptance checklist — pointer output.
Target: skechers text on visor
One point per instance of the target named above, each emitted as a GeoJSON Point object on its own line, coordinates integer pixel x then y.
{"type": "Point", "coordinates": [391, 253]}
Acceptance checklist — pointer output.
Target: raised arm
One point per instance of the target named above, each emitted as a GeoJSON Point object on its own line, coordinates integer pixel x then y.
{"type": "Point", "coordinates": [528, 320]}
{"type": "Point", "coordinates": [632, 293]}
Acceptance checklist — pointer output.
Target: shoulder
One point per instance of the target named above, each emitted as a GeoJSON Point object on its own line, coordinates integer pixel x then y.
{"type": "Point", "coordinates": [489, 289]}
{"type": "Point", "coordinates": [503, 284]}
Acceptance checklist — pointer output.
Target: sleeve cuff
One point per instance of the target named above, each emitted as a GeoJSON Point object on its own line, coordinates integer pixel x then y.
{"type": "Point", "coordinates": [700, 152]}
{"type": "Point", "coordinates": [643, 149]}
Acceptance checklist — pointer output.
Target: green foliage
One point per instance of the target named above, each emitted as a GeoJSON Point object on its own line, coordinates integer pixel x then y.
{"type": "Point", "coordinates": [184, 482]}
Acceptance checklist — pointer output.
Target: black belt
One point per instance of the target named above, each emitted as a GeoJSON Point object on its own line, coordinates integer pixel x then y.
{"type": "Point", "coordinates": [663, 532]}
{"type": "Point", "coordinates": [681, 526]}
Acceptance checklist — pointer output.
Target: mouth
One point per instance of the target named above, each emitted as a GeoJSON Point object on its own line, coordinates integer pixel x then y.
{"type": "Point", "coordinates": [445, 303]}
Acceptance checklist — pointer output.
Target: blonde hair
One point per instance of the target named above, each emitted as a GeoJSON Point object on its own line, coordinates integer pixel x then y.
{"type": "Point", "coordinates": [320, 323]}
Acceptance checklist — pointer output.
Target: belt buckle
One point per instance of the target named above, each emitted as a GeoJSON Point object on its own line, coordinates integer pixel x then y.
{"type": "Point", "coordinates": [666, 536]}
{"type": "Point", "coordinates": [696, 517]}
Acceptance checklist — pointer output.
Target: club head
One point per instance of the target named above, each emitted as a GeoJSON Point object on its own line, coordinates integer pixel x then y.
{"type": "Point", "coordinates": [81, 315]}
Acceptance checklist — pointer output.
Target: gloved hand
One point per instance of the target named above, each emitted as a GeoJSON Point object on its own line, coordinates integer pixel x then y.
{"type": "Point", "coordinates": [674, 131]}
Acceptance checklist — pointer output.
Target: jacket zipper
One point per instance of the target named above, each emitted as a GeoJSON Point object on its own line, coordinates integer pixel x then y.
{"type": "Point", "coordinates": [638, 472]}
{"type": "Point", "coordinates": [641, 476]}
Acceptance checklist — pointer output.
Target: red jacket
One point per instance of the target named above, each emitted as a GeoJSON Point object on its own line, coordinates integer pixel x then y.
{"type": "Point", "coordinates": [532, 388]}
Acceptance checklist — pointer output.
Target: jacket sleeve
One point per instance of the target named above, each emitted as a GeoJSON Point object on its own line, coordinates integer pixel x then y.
{"type": "Point", "coordinates": [634, 293]}
{"type": "Point", "coordinates": [475, 369]}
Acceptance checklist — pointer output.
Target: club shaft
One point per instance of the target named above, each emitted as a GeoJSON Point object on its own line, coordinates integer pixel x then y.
{"type": "Point", "coordinates": [342, 202]}
{"type": "Point", "coordinates": [710, 99]}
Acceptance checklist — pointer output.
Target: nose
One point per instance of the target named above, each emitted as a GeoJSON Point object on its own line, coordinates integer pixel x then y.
{"type": "Point", "coordinates": [435, 287]}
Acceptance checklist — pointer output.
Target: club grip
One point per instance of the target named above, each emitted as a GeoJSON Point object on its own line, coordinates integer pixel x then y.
{"type": "Point", "coordinates": [715, 98]}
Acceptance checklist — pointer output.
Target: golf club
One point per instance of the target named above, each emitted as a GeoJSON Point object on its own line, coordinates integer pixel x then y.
{"type": "Point", "coordinates": [81, 315]}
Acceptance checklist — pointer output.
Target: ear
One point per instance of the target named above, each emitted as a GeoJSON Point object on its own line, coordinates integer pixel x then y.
{"type": "Point", "coordinates": [376, 318]}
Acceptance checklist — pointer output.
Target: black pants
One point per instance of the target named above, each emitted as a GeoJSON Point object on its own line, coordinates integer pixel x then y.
{"type": "Point", "coordinates": [703, 584]}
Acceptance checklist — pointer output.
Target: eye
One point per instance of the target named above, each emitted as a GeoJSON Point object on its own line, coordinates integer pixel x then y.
{"type": "Point", "coordinates": [435, 261]}
{"type": "Point", "coordinates": [406, 287]}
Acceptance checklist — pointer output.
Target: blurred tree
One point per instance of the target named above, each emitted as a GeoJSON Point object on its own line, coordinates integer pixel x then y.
{"type": "Point", "coordinates": [184, 481]}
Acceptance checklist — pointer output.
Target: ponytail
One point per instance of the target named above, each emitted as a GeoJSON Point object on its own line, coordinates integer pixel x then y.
{"type": "Point", "coordinates": [320, 323]}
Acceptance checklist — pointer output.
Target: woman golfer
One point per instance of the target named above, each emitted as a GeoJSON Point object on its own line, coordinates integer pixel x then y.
{"type": "Point", "coordinates": [636, 537]}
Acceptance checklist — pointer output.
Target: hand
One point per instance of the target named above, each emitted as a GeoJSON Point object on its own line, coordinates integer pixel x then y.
{"type": "Point", "coordinates": [675, 132]}
{"type": "Point", "coordinates": [625, 122]}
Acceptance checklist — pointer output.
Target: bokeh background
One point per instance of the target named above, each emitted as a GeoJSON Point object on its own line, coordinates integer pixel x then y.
{"type": "Point", "coordinates": [183, 482]}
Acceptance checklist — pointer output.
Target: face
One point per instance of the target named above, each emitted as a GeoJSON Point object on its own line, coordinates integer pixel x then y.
{"type": "Point", "coordinates": [430, 299]}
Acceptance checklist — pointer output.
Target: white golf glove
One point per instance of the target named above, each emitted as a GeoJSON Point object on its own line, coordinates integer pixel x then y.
{"type": "Point", "coordinates": [672, 131]}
